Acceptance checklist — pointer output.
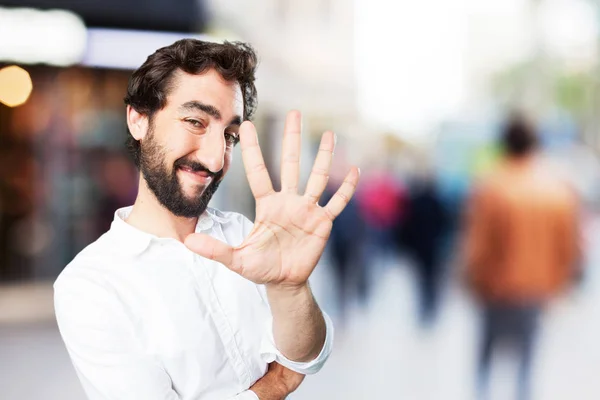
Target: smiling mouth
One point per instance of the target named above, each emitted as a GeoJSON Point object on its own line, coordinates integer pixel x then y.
{"type": "Point", "coordinates": [202, 176]}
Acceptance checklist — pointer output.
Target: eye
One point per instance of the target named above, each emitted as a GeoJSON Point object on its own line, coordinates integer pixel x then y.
{"type": "Point", "coordinates": [194, 122]}
{"type": "Point", "coordinates": [232, 138]}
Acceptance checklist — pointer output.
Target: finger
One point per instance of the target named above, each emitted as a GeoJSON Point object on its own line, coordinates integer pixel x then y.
{"type": "Point", "coordinates": [210, 248]}
{"type": "Point", "coordinates": [254, 164]}
{"type": "Point", "coordinates": [290, 156]}
{"type": "Point", "coordinates": [343, 195]}
{"type": "Point", "coordinates": [320, 172]}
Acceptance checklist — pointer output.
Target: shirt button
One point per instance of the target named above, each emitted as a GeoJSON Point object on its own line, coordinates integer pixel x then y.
{"type": "Point", "coordinates": [205, 222]}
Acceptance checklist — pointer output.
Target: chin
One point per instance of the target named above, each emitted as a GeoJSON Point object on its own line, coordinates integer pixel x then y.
{"type": "Point", "coordinates": [194, 192]}
{"type": "Point", "coordinates": [191, 189]}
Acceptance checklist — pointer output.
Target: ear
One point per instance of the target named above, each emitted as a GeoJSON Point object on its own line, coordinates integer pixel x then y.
{"type": "Point", "coordinates": [137, 123]}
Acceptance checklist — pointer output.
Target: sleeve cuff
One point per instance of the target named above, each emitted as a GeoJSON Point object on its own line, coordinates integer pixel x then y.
{"type": "Point", "coordinates": [246, 395]}
{"type": "Point", "coordinates": [270, 353]}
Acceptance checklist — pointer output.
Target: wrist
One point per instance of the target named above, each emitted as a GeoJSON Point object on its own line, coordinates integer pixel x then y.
{"type": "Point", "coordinates": [270, 391]}
{"type": "Point", "coordinates": [286, 299]}
{"type": "Point", "coordinates": [278, 290]}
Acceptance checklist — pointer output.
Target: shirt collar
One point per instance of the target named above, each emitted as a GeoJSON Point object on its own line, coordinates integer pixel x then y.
{"type": "Point", "coordinates": [135, 241]}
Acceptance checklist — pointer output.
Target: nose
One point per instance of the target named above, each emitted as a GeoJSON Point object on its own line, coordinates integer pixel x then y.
{"type": "Point", "coordinates": [211, 152]}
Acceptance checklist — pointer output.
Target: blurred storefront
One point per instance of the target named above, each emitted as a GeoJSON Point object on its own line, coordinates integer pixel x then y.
{"type": "Point", "coordinates": [63, 168]}
{"type": "Point", "coordinates": [157, 15]}
{"type": "Point", "coordinates": [63, 165]}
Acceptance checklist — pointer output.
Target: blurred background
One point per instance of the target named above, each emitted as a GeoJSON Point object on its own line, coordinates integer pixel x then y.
{"type": "Point", "coordinates": [418, 94]}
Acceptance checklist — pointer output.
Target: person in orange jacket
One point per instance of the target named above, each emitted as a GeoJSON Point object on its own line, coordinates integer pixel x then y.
{"type": "Point", "coordinates": [521, 247]}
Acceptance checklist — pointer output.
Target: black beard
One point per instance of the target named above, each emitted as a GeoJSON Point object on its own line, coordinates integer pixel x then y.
{"type": "Point", "coordinates": [165, 184]}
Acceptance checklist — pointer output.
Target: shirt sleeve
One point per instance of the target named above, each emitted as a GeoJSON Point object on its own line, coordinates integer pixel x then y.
{"type": "Point", "coordinates": [245, 395]}
{"type": "Point", "coordinates": [100, 340]}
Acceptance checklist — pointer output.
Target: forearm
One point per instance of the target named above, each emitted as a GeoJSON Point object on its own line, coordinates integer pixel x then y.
{"type": "Point", "coordinates": [299, 328]}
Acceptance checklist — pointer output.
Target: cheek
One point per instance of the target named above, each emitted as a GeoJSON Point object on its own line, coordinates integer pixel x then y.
{"type": "Point", "coordinates": [175, 139]}
{"type": "Point", "coordinates": [179, 149]}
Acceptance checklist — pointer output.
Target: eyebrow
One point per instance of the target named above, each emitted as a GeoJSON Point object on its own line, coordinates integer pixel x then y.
{"type": "Point", "coordinates": [210, 110]}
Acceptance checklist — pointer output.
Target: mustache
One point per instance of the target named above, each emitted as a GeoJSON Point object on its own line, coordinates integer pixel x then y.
{"type": "Point", "coordinates": [197, 167]}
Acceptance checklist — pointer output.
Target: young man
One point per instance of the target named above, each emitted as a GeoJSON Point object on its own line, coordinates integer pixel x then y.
{"type": "Point", "coordinates": [178, 301]}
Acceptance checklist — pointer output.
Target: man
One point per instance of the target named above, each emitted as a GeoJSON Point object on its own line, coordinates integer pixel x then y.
{"type": "Point", "coordinates": [521, 247]}
{"type": "Point", "coordinates": [178, 301]}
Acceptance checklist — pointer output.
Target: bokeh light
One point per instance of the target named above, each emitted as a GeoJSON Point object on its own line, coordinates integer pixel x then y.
{"type": "Point", "coordinates": [15, 86]}
{"type": "Point", "coordinates": [29, 36]}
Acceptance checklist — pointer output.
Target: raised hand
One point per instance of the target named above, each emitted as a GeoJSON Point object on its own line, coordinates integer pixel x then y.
{"type": "Point", "coordinates": [290, 230]}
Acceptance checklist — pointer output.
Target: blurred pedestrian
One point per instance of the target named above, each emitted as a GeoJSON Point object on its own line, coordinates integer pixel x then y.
{"type": "Point", "coordinates": [521, 248]}
{"type": "Point", "coordinates": [346, 252]}
{"type": "Point", "coordinates": [380, 199]}
{"type": "Point", "coordinates": [421, 235]}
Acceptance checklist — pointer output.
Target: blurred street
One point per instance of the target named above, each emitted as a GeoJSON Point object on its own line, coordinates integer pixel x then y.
{"type": "Point", "coordinates": [476, 129]}
{"type": "Point", "coordinates": [386, 357]}
{"type": "Point", "coordinates": [381, 354]}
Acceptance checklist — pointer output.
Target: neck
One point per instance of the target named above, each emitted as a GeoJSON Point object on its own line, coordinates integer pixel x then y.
{"type": "Point", "coordinates": [152, 217]}
{"type": "Point", "coordinates": [522, 159]}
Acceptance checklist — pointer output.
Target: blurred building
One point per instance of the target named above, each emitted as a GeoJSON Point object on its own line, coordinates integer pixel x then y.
{"type": "Point", "coordinates": [306, 52]}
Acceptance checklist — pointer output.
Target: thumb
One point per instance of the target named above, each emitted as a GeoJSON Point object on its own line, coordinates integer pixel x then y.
{"type": "Point", "coordinates": [210, 248]}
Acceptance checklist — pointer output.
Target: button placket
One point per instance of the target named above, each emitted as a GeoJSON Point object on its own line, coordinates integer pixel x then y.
{"type": "Point", "coordinates": [225, 330]}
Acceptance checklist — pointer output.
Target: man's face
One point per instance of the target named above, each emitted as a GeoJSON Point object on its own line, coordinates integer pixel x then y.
{"type": "Point", "coordinates": [187, 149]}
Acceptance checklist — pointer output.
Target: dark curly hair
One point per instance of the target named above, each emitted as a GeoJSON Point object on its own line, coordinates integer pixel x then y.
{"type": "Point", "coordinates": [151, 83]}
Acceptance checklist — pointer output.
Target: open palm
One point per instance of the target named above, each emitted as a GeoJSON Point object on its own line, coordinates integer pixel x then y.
{"type": "Point", "coordinates": [290, 230]}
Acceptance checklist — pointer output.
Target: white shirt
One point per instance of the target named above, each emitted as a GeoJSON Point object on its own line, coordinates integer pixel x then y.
{"type": "Point", "coordinates": [145, 318]}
